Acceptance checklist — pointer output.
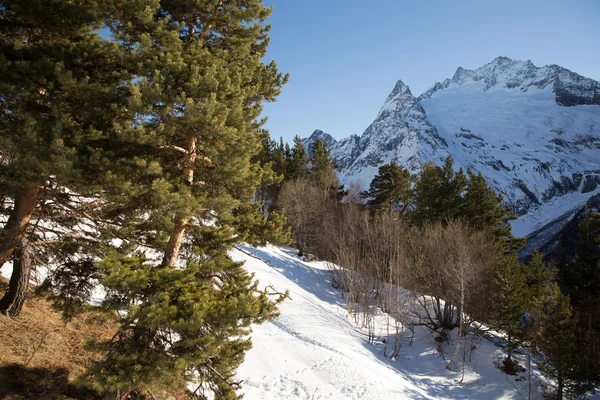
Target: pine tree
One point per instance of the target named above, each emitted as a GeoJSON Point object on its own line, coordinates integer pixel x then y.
{"type": "Point", "coordinates": [509, 300]}
{"type": "Point", "coordinates": [65, 96]}
{"type": "Point", "coordinates": [266, 193]}
{"type": "Point", "coordinates": [322, 171]}
{"type": "Point", "coordinates": [510, 303]}
{"type": "Point", "coordinates": [438, 194]}
{"type": "Point", "coordinates": [201, 85]}
{"type": "Point", "coordinates": [389, 190]}
{"type": "Point", "coordinates": [321, 164]}
{"type": "Point", "coordinates": [187, 325]}
{"type": "Point", "coordinates": [539, 280]}
{"type": "Point", "coordinates": [297, 160]}
{"type": "Point", "coordinates": [279, 163]}
{"type": "Point", "coordinates": [580, 280]}
{"type": "Point", "coordinates": [519, 296]}
{"type": "Point", "coordinates": [558, 345]}
{"type": "Point", "coordinates": [59, 85]}
{"type": "Point", "coordinates": [485, 211]}
{"type": "Point", "coordinates": [582, 274]}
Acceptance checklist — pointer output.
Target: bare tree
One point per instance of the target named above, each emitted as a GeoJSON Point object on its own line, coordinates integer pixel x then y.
{"type": "Point", "coordinates": [302, 202]}
{"type": "Point", "coordinates": [452, 266]}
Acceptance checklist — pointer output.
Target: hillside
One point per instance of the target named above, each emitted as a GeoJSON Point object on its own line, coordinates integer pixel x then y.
{"type": "Point", "coordinates": [41, 355]}
{"type": "Point", "coordinates": [315, 351]}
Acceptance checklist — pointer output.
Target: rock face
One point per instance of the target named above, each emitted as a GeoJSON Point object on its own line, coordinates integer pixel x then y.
{"type": "Point", "coordinates": [533, 132]}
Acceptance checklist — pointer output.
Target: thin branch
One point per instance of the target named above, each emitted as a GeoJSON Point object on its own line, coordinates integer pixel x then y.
{"type": "Point", "coordinates": [174, 148]}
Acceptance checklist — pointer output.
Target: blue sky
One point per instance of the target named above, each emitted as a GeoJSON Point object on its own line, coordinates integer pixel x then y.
{"type": "Point", "coordinates": [344, 57]}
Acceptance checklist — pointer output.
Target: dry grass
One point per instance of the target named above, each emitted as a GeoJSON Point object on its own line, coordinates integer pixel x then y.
{"type": "Point", "coordinates": [41, 355]}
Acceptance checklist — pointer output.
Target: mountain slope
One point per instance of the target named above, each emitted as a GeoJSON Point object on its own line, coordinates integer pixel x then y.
{"type": "Point", "coordinates": [314, 351]}
{"type": "Point", "coordinates": [533, 132]}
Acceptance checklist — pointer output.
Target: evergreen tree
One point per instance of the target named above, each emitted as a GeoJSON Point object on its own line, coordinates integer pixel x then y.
{"type": "Point", "coordinates": [322, 170]}
{"type": "Point", "coordinates": [485, 211]}
{"type": "Point", "coordinates": [65, 94]}
{"type": "Point", "coordinates": [557, 342]}
{"type": "Point", "coordinates": [509, 301]}
{"type": "Point", "coordinates": [279, 163]}
{"type": "Point", "coordinates": [297, 160]}
{"type": "Point", "coordinates": [187, 325]}
{"type": "Point", "coordinates": [438, 194]}
{"type": "Point", "coordinates": [539, 284]}
{"type": "Point", "coordinates": [61, 89]}
{"type": "Point", "coordinates": [200, 89]}
{"type": "Point", "coordinates": [321, 164]}
{"type": "Point", "coordinates": [389, 190]}
{"type": "Point", "coordinates": [266, 193]}
{"type": "Point", "coordinates": [581, 276]}
{"type": "Point", "coordinates": [580, 280]}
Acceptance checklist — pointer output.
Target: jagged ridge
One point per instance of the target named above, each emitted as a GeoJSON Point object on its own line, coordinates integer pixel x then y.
{"type": "Point", "coordinates": [534, 133]}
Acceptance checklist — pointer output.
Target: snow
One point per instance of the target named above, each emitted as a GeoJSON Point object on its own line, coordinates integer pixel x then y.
{"type": "Point", "coordinates": [314, 350]}
{"type": "Point", "coordinates": [517, 129]}
{"type": "Point", "coordinates": [503, 120]}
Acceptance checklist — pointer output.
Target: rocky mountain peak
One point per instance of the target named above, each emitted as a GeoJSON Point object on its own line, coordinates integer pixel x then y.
{"type": "Point", "coordinates": [317, 135]}
{"type": "Point", "coordinates": [401, 104]}
{"type": "Point", "coordinates": [568, 87]}
{"type": "Point", "coordinates": [533, 132]}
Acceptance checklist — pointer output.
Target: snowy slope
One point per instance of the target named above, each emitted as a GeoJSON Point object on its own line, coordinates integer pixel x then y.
{"type": "Point", "coordinates": [533, 132]}
{"type": "Point", "coordinates": [314, 351]}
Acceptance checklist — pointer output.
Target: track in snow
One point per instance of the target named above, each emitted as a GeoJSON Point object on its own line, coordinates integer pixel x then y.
{"type": "Point", "coordinates": [314, 351]}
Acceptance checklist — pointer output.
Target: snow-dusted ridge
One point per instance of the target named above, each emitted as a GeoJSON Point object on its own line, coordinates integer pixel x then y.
{"type": "Point", "coordinates": [569, 88]}
{"type": "Point", "coordinates": [533, 132]}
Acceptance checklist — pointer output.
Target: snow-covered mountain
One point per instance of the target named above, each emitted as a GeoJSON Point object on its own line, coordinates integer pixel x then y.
{"type": "Point", "coordinates": [533, 132]}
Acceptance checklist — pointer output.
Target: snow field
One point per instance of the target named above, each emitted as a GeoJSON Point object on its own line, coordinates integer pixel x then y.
{"type": "Point", "coordinates": [314, 350]}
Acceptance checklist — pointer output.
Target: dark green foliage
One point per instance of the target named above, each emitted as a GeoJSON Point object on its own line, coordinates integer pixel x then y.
{"type": "Point", "coordinates": [389, 190]}
{"type": "Point", "coordinates": [557, 341]}
{"type": "Point", "coordinates": [539, 280]}
{"type": "Point", "coordinates": [322, 172]}
{"type": "Point", "coordinates": [321, 165]}
{"type": "Point", "coordinates": [579, 278]}
{"type": "Point", "coordinates": [272, 160]}
{"type": "Point", "coordinates": [509, 301]}
{"type": "Point", "coordinates": [485, 211]}
{"type": "Point", "coordinates": [184, 324]}
{"type": "Point", "coordinates": [155, 139]}
{"type": "Point", "coordinates": [64, 90]}
{"type": "Point", "coordinates": [438, 194]}
{"type": "Point", "coordinates": [202, 85]}
{"type": "Point", "coordinates": [65, 94]}
{"type": "Point", "coordinates": [256, 228]}
{"type": "Point", "coordinates": [297, 160]}
{"type": "Point", "coordinates": [70, 287]}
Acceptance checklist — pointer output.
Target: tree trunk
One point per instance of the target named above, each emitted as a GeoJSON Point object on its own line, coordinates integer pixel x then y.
{"type": "Point", "coordinates": [13, 231]}
{"type": "Point", "coordinates": [126, 395]}
{"type": "Point", "coordinates": [174, 244]}
{"type": "Point", "coordinates": [12, 302]}
{"type": "Point", "coordinates": [561, 384]}
{"type": "Point", "coordinates": [176, 237]}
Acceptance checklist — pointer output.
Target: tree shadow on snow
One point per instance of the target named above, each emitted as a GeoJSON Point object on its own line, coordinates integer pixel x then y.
{"type": "Point", "coordinates": [313, 280]}
{"type": "Point", "coordinates": [418, 364]}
